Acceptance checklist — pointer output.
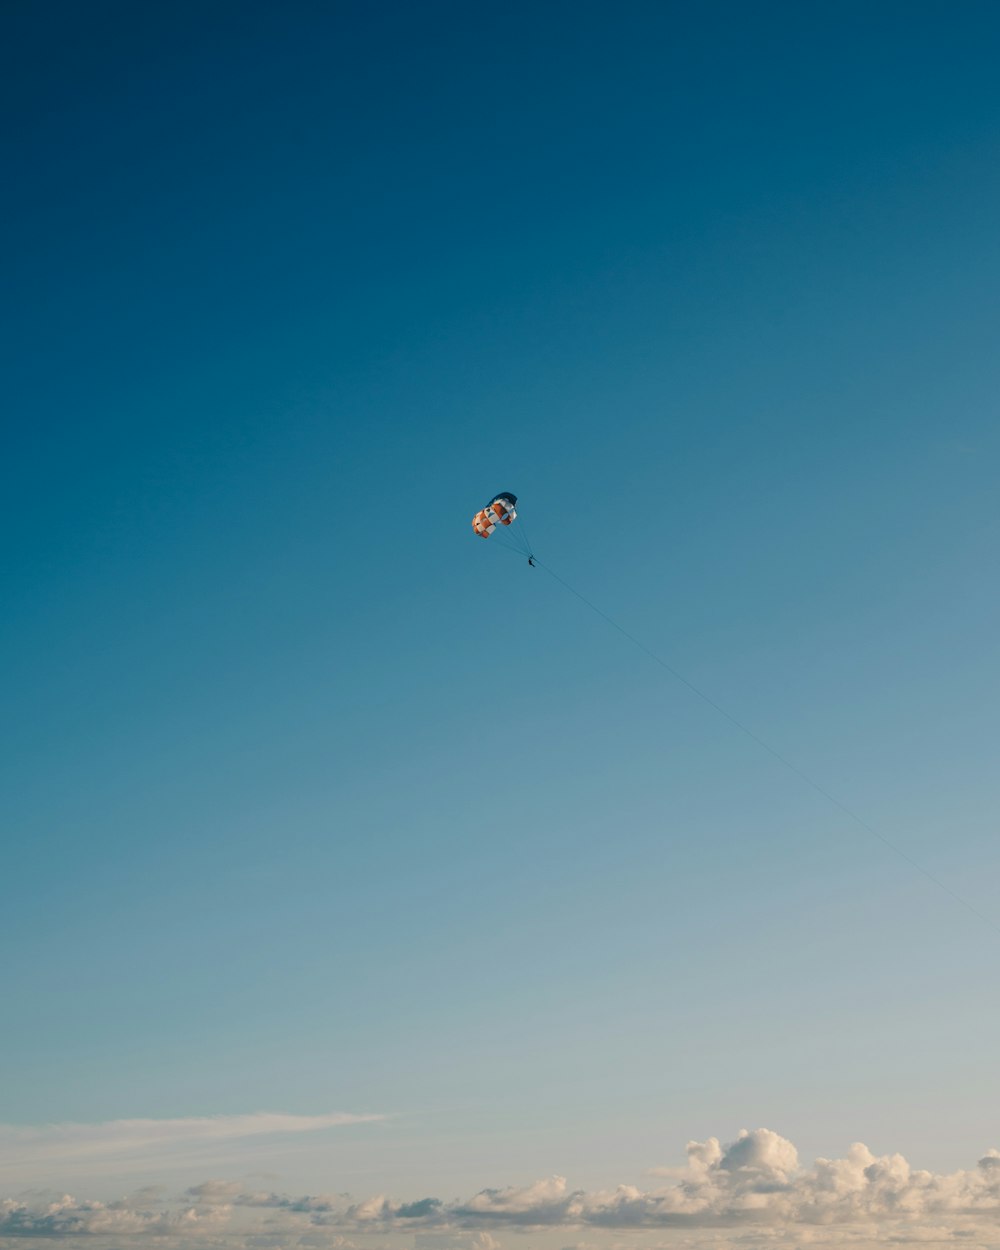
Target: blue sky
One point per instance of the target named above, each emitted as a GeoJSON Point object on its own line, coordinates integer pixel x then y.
{"type": "Point", "coordinates": [314, 803]}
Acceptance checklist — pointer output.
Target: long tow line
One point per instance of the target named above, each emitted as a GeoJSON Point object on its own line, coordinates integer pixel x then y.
{"type": "Point", "coordinates": [804, 777]}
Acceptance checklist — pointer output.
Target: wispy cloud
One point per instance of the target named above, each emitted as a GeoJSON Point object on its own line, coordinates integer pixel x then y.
{"type": "Point", "coordinates": [29, 1150]}
{"type": "Point", "coordinates": [751, 1192]}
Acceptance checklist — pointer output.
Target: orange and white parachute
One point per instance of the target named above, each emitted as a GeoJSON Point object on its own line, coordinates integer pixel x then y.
{"type": "Point", "coordinates": [499, 511]}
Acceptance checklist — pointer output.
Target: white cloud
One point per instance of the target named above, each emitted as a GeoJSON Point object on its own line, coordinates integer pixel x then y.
{"type": "Point", "coordinates": [29, 1151]}
{"type": "Point", "coordinates": [752, 1192]}
{"type": "Point", "coordinates": [66, 1218]}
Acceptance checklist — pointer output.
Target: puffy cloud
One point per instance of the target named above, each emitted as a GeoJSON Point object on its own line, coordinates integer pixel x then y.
{"type": "Point", "coordinates": [545, 1202]}
{"type": "Point", "coordinates": [762, 1153]}
{"type": "Point", "coordinates": [215, 1193]}
{"type": "Point", "coordinates": [66, 1218]}
{"type": "Point", "coordinates": [750, 1192]}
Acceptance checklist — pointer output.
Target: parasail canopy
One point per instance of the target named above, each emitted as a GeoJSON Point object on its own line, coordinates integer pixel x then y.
{"type": "Point", "coordinates": [499, 511]}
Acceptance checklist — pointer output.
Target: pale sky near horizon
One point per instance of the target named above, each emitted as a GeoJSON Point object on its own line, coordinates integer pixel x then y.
{"type": "Point", "coordinates": [316, 806]}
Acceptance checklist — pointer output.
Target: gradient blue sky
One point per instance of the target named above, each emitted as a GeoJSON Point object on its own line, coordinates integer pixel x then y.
{"type": "Point", "coordinates": [312, 802]}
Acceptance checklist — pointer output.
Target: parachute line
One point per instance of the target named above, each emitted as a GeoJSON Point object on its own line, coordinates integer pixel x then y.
{"type": "Point", "coordinates": [794, 768]}
{"type": "Point", "coordinates": [497, 541]}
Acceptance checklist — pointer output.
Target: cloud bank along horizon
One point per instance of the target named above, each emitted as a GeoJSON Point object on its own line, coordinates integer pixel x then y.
{"type": "Point", "coordinates": [755, 1182]}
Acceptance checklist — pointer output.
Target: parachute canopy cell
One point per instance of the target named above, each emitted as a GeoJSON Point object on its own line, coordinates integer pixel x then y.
{"type": "Point", "coordinates": [499, 511]}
